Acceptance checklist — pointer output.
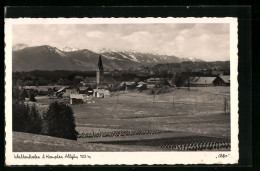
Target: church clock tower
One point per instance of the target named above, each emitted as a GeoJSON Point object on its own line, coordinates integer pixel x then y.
{"type": "Point", "coordinates": [100, 70]}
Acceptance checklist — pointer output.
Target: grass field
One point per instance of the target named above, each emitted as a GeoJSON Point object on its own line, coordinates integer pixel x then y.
{"type": "Point", "coordinates": [196, 113]}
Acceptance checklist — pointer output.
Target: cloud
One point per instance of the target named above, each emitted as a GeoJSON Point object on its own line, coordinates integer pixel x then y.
{"type": "Point", "coordinates": [204, 41]}
{"type": "Point", "coordinates": [95, 34]}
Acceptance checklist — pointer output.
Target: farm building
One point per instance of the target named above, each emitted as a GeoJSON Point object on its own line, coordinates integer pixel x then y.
{"type": "Point", "coordinates": [201, 81]}
{"type": "Point", "coordinates": [67, 92]}
{"type": "Point", "coordinates": [64, 92]}
{"type": "Point", "coordinates": [85, 90]}
{"type": "Point", "coordinates": [50, 91]}
{"type": "Point", "coordinates": [77, 98]}
{"type": "Point", "coordinates": [89, 81]}
{"type": "Point", "coordinates": [155, 82]}
{"type": "Point", "coordinates": [60, 91]}
{"type": "Point", "coordinates": [223, 80]}
{"type": "Point", "coordinates": [101, 93]}
{"type": "Point", "coordinates": [107, 81]}
{"type": "Point", "coordinates": [141, 86]}
{"type": "Point", "coordinates": [128, 85]}
{"type": "Point", "coordinates": [82, 90]}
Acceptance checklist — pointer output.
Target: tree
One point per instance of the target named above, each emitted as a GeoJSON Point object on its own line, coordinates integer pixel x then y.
{"type": "Point", "coordinates": [35, 120]}
{"type": "Point", "coordinates": [32, 97]}
{"type": "Point", "coordinates": [26, 119]}
{"type": "Point", "coordinates": [60, 122]}
{"type": "Point", "coordinates": [179, 80]}
{"type": "Point", "coordinates": [20, 117]}
{"type": "Point", "coordinates": [19, 94]}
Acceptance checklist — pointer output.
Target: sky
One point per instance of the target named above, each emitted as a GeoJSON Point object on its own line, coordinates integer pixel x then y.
{"type": "Point", "coordinates": [206, 41]}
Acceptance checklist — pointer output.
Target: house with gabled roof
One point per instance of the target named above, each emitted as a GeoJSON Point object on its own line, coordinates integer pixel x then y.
{"type": "Point", "coordinates": [222, 80]}
{"type": "Point", "coordinates": [201, 81]}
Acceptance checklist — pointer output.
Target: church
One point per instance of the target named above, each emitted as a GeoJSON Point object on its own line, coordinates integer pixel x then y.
{"type": "Point", "coordinates": [100, 81]}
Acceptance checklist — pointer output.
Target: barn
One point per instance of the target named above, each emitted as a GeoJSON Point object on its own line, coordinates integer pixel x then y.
{"type": "Point", "coordinates": [155, 82]}
{"type": "Point", "coordinates": [202, 81]}
{"type": "Point", "coordinates": [223, 80]}
{"type": "Point", "coordinates": [77, 99]}
{"type": "Point", "coordinates": [101, 93]}
{"type": "Point", "coordinates": [141, 86]}
{"type": "Point", "coordinates": [128, 85]}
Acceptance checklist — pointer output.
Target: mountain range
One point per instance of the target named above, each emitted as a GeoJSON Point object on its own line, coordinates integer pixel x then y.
{"type": "Point", "coordinates": [28, 58]}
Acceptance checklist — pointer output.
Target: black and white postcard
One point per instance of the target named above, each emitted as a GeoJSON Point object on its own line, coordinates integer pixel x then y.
{"type": "Point", "coordinates": [96, 91]}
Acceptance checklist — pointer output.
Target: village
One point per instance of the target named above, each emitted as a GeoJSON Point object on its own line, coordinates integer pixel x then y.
{"type": "Point", "coordinates": [103, 87]}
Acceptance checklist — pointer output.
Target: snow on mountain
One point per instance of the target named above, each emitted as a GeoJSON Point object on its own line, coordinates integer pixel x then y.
{"type": "Point", "coordinates": [123, 55]}
{"type": "Point", "coordinates": [60, 52]}
{"type": "Point", "coordinates": [19, 46]}
{"type": "Point", "coordinates": [110, 57]}
{"type": "Point", "coordinates": [46, 57]}
{"type": "Point", "coordinates": [56, 50]}
{"type": "Point", "coordinates": [133, 57]}
{"type": "Point", "coordinates": [70, 49]}
{"type": "Point", "coordinates": [103, 50]}
{"type": "Point", "coordinates": [192, 59]}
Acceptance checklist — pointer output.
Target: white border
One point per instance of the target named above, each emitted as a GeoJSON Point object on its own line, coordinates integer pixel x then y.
{"type": "Point", "coordinates": [129, 158]}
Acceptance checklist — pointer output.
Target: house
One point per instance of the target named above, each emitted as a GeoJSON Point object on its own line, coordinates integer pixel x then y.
{"type": "Point", "coordinates": [223, 80]}
{"type": "Point", "coordinates": [65, 91]}
{"type": "Point", "coordinates": [128, 85]}
{"type": "Point", "coordinates": [155, 82]}
{"type": "Point", "coordinates": [201, 81]}
{"type": "Point", "coordinates": [82, 90]}
{"type": "Point", "coordinates": [89, 81]}
{"type": "Point", "coordinates": [89, 91]}
{"type": "Point", "coordinates": [141, 86]}
{"type": "Point", "coordinates": [77, 98]}
{"type": "Point", "coordinates": [101, 93]}
{"type": "Point", "coordinates": [60, 91]}
{"type": "Point", "coordinates": [109, 82]}
{"type": "Point", "coordinates": [50, 91]}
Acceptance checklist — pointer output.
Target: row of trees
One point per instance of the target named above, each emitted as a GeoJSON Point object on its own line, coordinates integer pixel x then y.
{"type": "Point", "coordinates": [57, 121]}
{"type": "Point", "coordinates": [22, 94]}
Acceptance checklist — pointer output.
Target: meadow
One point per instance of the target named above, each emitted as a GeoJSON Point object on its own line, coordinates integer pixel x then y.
{"type": "Point", "coordinates": [188, 115]}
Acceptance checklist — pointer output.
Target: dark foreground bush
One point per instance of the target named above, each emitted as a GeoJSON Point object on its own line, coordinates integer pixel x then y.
{"type": "Point", "coordinates": [25, 119]}
{"type": "Point", "coordinates": [60, 122]}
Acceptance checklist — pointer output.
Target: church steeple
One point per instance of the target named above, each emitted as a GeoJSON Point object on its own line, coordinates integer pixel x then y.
{"type": "Point", "coordinates": [100, 65]}
{"type": "Point", "coordinates": [100, 70]}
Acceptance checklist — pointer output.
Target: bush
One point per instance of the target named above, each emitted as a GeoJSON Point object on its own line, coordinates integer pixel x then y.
{"type": "Point", "coordinates": [19, 94]}
{"type": "Point", "coordinates": [32, 97]}
{"type": "Point", "coordinates": [20, 117]}
{"type": "Point", "coordinates": [60, 122]}
{"type": "Point", "coordinates": [36, 121]}
{"type": "Point", "coordinates": [26, 119]}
